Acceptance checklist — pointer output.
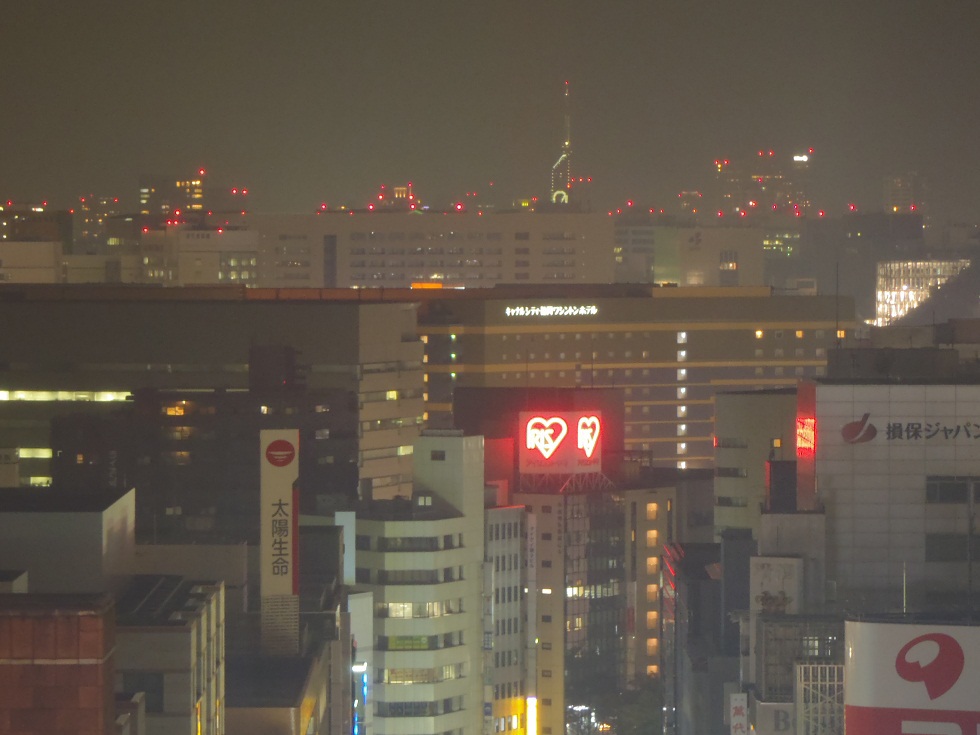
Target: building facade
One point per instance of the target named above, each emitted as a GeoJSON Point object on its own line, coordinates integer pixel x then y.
{"type": "Point", "coordinates": [669, 350]}
{"type": "Point", "coordinates": [422, 558]}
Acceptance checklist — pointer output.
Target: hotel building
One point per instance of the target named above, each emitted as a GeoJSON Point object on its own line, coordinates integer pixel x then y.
{"type": "Point", "coordinates": [669, 351]}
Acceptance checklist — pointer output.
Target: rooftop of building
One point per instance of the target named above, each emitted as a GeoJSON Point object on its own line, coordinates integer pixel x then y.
{"type": "Point", "coordinates": [161, 600]}
{"type": "Point", "coordinates": [255, 680]}
{"type": "Point", "coordinates": [56, 500]}
{"type": "Point", "coordinates": [154, 293]}
{"type": "Point", "coordinates": [28, 604]}
{"type": "Point", "coordinates": [420, 507]}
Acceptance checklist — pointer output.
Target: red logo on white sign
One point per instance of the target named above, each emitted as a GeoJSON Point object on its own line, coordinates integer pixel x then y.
{"type": "Point", "coordinates": [944, 661]}
{"type": "Point", "coordinates": [280, 453]}
{"type": "Point", "coordinates": [546, 435]}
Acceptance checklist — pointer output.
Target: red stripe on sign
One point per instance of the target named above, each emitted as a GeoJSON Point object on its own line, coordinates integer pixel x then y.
{"type": "Point", "coordinates": [894, 721]}
{"type": "Point", "coordinates": [294, 531]}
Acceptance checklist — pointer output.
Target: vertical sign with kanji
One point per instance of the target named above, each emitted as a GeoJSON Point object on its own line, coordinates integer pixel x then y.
{"type": "Point", "coordinates": [278, 514]}
{"type": "Point", "coordinates": [738, 714]}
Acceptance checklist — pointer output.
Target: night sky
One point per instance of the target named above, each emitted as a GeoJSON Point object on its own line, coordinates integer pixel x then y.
{"type": "Point", "coordinates": [306, 102]}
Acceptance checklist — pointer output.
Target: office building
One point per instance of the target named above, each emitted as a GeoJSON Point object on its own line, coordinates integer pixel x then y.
{"type": "Point", "coordinates": [893, 466]}
{"type": "Point", "coordinates": [395, 249]}
{"type": "Point", "coordinates": [507, 633]}
{"type": "Point", "coordinates": [746, 453]}
{"type": "Point", "coordinates": [57, 663]}
{"type": "Point", "coordinates": [42, 528]}
{"type": "Point", "coordinates": [421, 556]}
{"type": "Point", "coordinates": [124, 339]}
{"type": "Point", "coordinates": [92, 216]}
{"type": "Point", "coordinates": [904, 285]}
{"type": "Point", "coordinates": [170, 644]}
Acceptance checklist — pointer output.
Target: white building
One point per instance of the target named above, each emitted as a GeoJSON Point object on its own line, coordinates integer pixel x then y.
{"type": "Point", "coordinates": [422, 558]}
{"type": "Point", "coordinates": [505, 622]}
{"type": "Point", "coordinates": [897, 470]}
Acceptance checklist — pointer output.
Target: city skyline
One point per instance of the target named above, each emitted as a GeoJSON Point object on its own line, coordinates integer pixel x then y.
{"type": "Point", "coordinates": [328, 101]}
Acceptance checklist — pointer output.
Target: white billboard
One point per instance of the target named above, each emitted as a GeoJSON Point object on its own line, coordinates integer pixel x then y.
{"type": "Point", "coordinates": [738, 713]}
{"type": "Point", "coordinates": [279, 514]}
{"type": "Point", "coordinates": [775, 584]}
{"type": "Point", "coordinates": [911, 679]}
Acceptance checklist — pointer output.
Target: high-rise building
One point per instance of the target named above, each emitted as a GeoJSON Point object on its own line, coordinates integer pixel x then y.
{"type": "Point", "coordinates": [163, 198]}
{"type": "Point", "coordinates": [201, 339]}
{"type": "Point", "coordinates": [903, 285]}
{"type": "Point", "coordinates": [902, 193]}
{"type": "Point", "coordinates": [91, 222]}
{"type": "Point", "coordinates": [507, 632]}
{"type": "Point", "coordinates": [669, 350]}
{"type": "Point", "coordinates": [421, 556]}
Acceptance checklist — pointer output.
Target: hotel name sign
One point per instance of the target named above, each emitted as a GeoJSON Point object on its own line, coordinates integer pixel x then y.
{"type": "Point", "coordinates": [549, 310]}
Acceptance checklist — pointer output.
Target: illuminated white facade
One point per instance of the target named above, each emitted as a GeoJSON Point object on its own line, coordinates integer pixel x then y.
{"type": "Point", "coordinates": [903, 285]}
{"type": "Point", "coordinates": [423, 561]}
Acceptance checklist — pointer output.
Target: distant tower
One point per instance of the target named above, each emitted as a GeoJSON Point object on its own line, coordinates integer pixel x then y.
{"type": "Point", "coordinates": [561, 172]}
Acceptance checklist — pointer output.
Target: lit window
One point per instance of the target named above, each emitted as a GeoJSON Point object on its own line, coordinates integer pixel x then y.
{"type": "Point", "coordinates": [799, 334]}
{"type": "Point", "coordinates": [682, 374]}
{"type": "Point", "coordinates": [682, 338]}
{"type": "Point", "coordinates": [841, 333]}
{"type": "Point", "coordinates": [759, 334]}
{"type": "Point", "coordinates": [652, 538]}
{"type": "Point", "coordinates": [777, 443]}
{"type": "Point", "coordinates": [681, 355]}
{"type": "Point", "coordinates": [652, 509]}
{"type": "Point", "coordinates": [652, 646]}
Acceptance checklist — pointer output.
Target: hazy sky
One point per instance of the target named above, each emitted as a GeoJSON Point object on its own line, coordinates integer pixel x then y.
{"type": "Point", "coordinates": [308, 101]}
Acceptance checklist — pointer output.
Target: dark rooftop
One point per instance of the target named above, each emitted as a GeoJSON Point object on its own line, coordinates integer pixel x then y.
{"type": "Point", "coordinates": [157, 599]}
{"type": "Point", "coordinates": [56, 500]}
{"type": "Point", "coordinates": [253, 680]}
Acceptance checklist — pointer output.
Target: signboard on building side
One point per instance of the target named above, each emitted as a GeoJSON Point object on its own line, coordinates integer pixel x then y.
{"type": "Point", "coordinates": [911, 679]}
{"type": "Point", "coordinates": [279, 514]}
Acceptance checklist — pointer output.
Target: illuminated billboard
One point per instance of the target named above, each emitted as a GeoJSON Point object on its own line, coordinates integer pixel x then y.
{"type": "Point", "coordinates": [279, 515]}
{"type": "Point", "coordinates": [560, 443]}
{"type": "Point", "coordinates": [911, 679]}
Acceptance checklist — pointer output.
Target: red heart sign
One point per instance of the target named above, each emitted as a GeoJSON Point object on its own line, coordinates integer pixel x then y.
{"type": "Point", "coordinates": [546, 435]}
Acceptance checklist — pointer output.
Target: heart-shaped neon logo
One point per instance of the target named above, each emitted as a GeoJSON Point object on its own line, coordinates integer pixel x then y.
{"type": "Point", "coordinates": [546, 435]}
{"type": "Point", "coordinates": [588, 434]}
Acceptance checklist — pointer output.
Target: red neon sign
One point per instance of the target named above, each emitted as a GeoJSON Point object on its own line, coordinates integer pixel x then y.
{"type": "Point", "coordinates": [806, 436]}
{"type": "Point", "coordinates": [588, 434]}
{"type": "Point", "coordinates": [546, 435]}
{"type": "Point", "coordinates": [548, 448]}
